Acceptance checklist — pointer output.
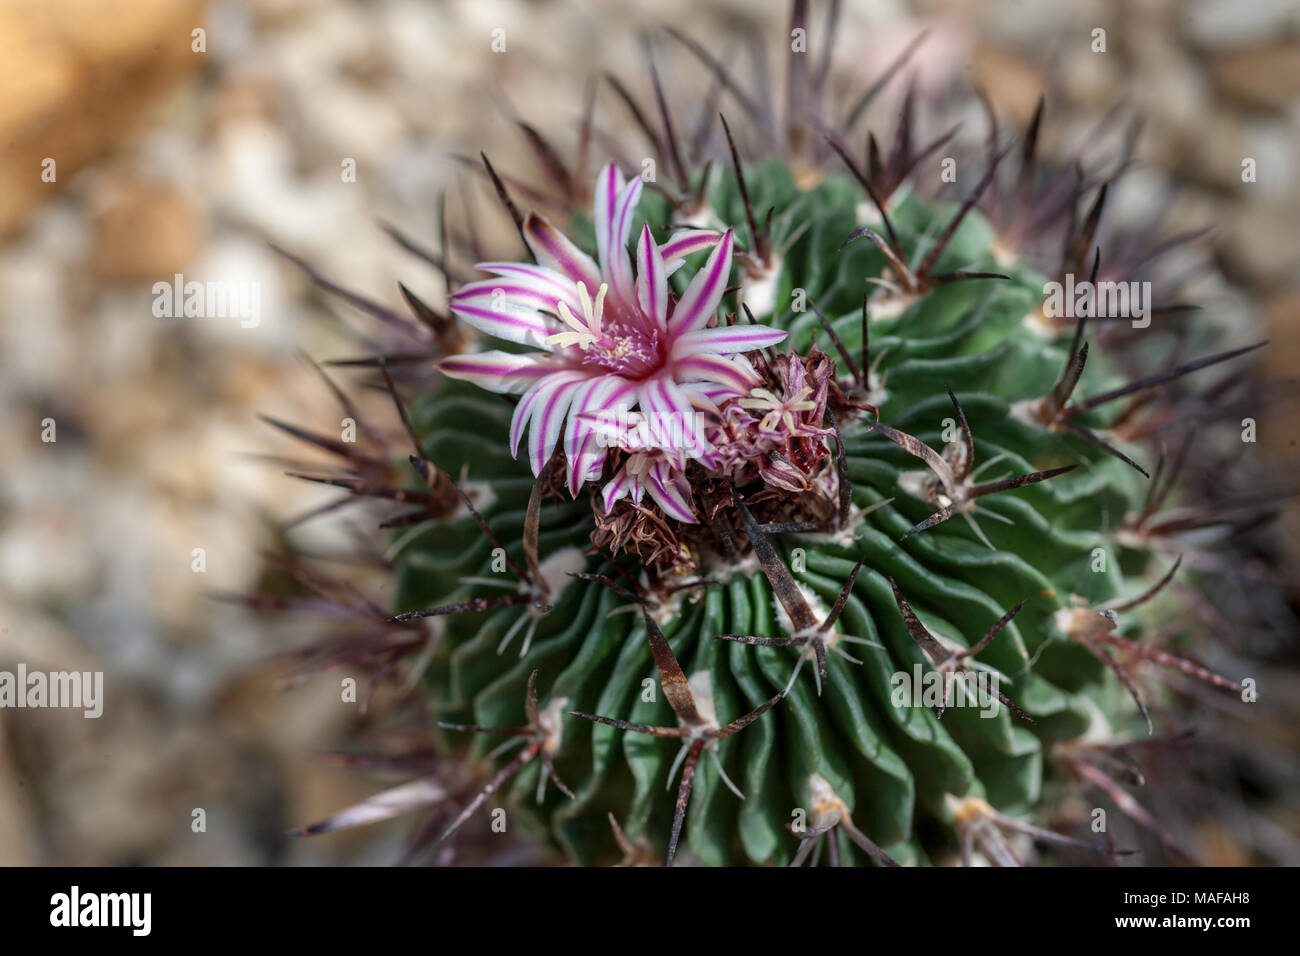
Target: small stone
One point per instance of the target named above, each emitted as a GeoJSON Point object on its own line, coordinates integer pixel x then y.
{"type": "Point", "coordinates": [145, 231]}
{"type": "Point", "coordinates": [1260, 241]}
{"type": "Point", "coordinates": [1264, 76]}
{"type": "Point", "coordinates": [1012, 82]}
{"type": "Point", "coordinates": [74, 76]}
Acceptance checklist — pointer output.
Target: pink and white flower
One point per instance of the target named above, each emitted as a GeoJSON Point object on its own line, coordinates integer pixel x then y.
{"type": "Point", "coordinates": [658, 452]}
{"type": "Point", "coordinates": [607, 337]}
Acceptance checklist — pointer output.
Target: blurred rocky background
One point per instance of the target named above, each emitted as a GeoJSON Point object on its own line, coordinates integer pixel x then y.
{"type": "Point", "coordinates": [133, 148]}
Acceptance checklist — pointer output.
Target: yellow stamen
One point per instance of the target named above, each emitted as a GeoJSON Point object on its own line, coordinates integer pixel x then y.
{"type": "Point", "coordinates": [762, 398]}
{"type": "Point", "coordinates": [583, 333]}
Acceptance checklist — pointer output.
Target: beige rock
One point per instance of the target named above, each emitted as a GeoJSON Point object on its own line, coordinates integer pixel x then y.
{"type": "Point", "coordinates": [74, 76]}
{"type": "Point", "coordinates": [1261, 240]}
{"type": "Point", "coordinates": [1282, 317]}
{"type": "Point", "coordinates": [1012, 81]}
{"type": "Point", "coordinates": [146, 231]}
{"type": "Point", "coordinates": [1266, 76]}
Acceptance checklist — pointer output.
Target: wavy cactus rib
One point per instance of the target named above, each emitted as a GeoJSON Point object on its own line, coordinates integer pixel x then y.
{"type": "Point", "coordinates": [950, 364]}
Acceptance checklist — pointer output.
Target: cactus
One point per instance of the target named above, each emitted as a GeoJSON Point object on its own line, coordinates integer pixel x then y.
{"type": "Point", "coordinates": [805, 529]}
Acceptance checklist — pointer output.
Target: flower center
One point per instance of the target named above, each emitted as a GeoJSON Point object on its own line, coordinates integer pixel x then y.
{"type": "Point", "coordinates": [626, 350]}
{"type": "Point", "coordinates": [618, 346]}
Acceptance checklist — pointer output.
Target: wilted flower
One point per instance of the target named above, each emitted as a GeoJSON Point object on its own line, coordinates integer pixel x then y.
{"type": "Point", "coordinates": [779, 411]}
{"type": "Point", "coordinates": [607, 338]}
{"type": "Point", "coordinates": [776, 431]}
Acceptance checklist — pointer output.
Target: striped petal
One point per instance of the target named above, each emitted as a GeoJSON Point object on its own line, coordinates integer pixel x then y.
{"type": "Point", "coordinates": [672, 423]}
{"type": "Point", "coordinates": [661, 395]}
{"type": "Point", "coordinates": [727, 340]}
{"type": "Point", "coordinates": [555, 286]}
{"type": "Point", "coordinates": [519, 420]}
{"type": "Point", "coordinates": [506, 310]}
{"type": "Point", "coordinates": [497, 371]}
{"type": "Point", "coordinates": [548, 416]}
{"type": "Point", "coordinates": [735, 373]}
{"type": "Point", "coordinates": [617, 487]}
{"type": "Point", "coordinates": [651, 280]}
{"type": "Point", "coordinates": [604, 208]}
{"type": "Point", "coordinates": [686, 242]}
{"type": "Point", "coordinates": [583, 448]}
{"type": "Point", "coordinates": [708, 396]}
{"type": "Point", "coordinates": [614, 262]}
{"type": "Point", "coordinates": [554, 251]}
{"type": "Point", "coordinates": [699, 302]}
{"type": "Point", "coordinates": [671, 491]}
{"type": "Point", "coordinates": [524, 410]}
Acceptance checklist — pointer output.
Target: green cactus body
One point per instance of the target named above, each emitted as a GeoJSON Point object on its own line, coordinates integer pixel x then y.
{"type": "Point", "coordinates": [895, 769]}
